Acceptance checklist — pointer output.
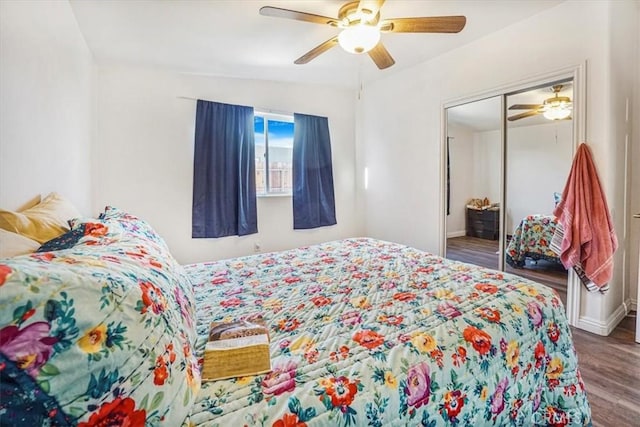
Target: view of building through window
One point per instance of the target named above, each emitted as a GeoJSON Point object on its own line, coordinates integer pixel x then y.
{"type": "Point", "coordinates": [273, 151]}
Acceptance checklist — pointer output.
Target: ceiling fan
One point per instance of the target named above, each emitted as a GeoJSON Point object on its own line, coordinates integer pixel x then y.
{"type": "Point", "coordinates": [554, 108]}
{"type": "Point", "coordinates": [361, 27]}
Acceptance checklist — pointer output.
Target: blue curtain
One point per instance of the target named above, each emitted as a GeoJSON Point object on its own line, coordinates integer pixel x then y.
{"type": "Point", "coordinates": [313, 198]}
{"type": "Point", "coordinates": [224, 183]}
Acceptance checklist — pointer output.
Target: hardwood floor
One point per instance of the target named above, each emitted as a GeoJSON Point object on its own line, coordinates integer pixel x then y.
{"type": "Point", "coordinates": [610, 366]}
{"type": "Point", "coordinates": [484, 252]}
{"type": "Point", "coordinates": [473, 250]}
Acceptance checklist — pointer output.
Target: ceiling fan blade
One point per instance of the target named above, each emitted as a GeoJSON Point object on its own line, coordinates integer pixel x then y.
{"type": "Point", "coordinates": [432, 24]}
{"type": "Point", "coordinates": [523, 115]}
{"type": "Point", "coordinates": [371, 5]}
{"type": "Point", "coordinates": [278, 12]}
{"type": "Point", "coordinates": [316, 51]}
{"type": "Point", "coordinates": [525, 106]}
{"type": "Point", "coordinates": [381, 56]}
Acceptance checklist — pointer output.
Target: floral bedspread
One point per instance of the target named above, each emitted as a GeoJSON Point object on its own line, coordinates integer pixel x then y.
{"type": "Point", "coordinates": [97, 329]}
{"type": "Point", "coordinates": [365, 332]}
{"type": "Point", "coordinates": [532, 239]}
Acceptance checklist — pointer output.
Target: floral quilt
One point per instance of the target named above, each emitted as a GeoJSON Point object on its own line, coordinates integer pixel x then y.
{"type": "Point", "coordinates": [370, 333]}
{"type": "Point", "coordinates": [532, 239]}
{"type": "Point", "coordinates": [97, 328]}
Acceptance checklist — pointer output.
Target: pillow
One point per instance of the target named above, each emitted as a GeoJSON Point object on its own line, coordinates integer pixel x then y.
{"type": "Point", "coordinates": [118, 306]}
{"type": "Point", "coordinates": [557, 198]}
{"type": "Point", "coordinates": [43, 222]}
{"type": "Point", "coordinates": [12, 244]}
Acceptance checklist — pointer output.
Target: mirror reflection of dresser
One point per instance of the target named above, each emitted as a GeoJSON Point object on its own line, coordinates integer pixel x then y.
{"type": "Point", "coordinates": [483, 223]}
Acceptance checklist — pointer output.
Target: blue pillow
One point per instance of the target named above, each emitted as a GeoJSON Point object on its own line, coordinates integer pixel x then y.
{"type": "Point", "coordinates": [557, 198]}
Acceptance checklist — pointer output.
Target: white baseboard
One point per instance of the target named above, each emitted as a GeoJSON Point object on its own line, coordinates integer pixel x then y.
{"type": "Point", "coordinates": [456, 234]}
{"type": "Point", "coordinates": [633, 305]}
{"type": "Point", "coordinates": [604, 328]}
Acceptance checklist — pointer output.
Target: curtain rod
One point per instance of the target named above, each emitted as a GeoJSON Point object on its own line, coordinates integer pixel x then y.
{"type": "Point", "coordinates": [260, 109]}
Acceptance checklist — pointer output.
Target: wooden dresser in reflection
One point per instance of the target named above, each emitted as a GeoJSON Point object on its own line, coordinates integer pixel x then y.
{"type": "Point", "coordinates": [483, 223]}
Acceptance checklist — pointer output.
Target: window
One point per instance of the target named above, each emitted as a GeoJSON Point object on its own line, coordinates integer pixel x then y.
{"type": "Point", "coordinates": [274, 150]}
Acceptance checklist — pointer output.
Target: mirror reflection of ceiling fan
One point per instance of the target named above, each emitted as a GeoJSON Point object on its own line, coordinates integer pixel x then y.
{"type": "Point", "coordinates": [554, 108]}
{"type": "Point", "coordinates": [361, 26]}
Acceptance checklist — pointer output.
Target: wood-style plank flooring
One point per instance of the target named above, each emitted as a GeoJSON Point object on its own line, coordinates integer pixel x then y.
{"type": "Point", "coordinates": [610, 366]}
{"type": "Point", "coordinates": [484, 252]}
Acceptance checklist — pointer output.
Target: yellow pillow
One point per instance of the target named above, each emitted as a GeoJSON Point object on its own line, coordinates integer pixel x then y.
{"type": "Point", "coordinates": [12, 244]}
{"type": "Point", "coordinates": [43, 222]}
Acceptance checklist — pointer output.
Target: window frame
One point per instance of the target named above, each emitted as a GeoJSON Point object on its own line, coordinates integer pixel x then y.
{"type": "Point", "coordinates": [280, 117]}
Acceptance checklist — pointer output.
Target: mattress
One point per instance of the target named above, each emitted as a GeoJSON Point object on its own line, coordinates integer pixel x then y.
{"type": "Point", "coordinates": [367, 332]}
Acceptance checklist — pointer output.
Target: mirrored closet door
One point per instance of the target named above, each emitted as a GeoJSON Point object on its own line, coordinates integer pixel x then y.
{"type": "Point", "coordinates": [507, 160]}
{"type": "Point", "coordinates": [539, 146]}
{"type": "Point", "coordinates": [474, 144]}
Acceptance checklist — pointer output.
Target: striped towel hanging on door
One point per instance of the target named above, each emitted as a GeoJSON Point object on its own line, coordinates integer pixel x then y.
{"type": "Point", "coordinates": [589, 240]}
{"type": "Point", "coordinates": [556, 243]}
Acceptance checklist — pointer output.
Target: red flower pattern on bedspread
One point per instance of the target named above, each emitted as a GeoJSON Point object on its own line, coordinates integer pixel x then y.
{"type": "Point", "coordinates": [341, 391]}
{"type": "Point", "coordinates": [289, 420]}
{"type": "Point", "coordinates": [118, 412]}
{"type": "Point", "coordinates": [368, 339]}
{"type": "Point", "coordinates": [5, 271]}
{"type": "Point", "coordinates": [480, 340]}
{"type": "Point", "coordinates": [152, 298]}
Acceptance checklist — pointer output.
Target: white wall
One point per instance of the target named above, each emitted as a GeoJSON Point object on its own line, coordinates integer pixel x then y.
{"type": "Point", "coordinates": [622, 50]}
{"type": "Point", "coordinates": [539, 158]}
{"type": "Point", "coordinates": [45, 104]}
{"type": "Point", "coordinates": [539, 45]}
{"type": "Point", "coordinates": [475, 172]}
{"type": "Point", "coordinates": [143, 156]}
{"type": "Point", "coordinates": [487, 154]}
{"type": "Point", "coordinates": [538, 163]}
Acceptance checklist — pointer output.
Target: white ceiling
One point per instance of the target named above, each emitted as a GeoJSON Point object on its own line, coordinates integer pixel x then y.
{"type": "Point", "coordinates": [230, 37]}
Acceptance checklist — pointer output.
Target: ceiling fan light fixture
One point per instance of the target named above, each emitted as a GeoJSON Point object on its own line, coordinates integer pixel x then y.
{"type": "Point", "coordinates": [359, 38]}
{"type": "Point", "coordinates": [558, 108]}
{"type": "Point", "coordinates": [557, 113]}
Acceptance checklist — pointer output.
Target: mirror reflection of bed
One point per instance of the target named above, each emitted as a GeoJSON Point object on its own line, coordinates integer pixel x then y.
{"type": "Point", "coordinates": [537, 157]}
{"type": "Point", "coordinates": [529, 252]}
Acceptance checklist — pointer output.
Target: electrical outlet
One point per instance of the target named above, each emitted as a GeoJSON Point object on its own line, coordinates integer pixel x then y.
{"type": "Point", "coordinates": [257, 247]}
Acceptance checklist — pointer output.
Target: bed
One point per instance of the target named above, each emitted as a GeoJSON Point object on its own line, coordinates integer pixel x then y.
{"type": "Point", "coordinates": [363, 332]}
{"type": "Point", "coordinates": [366, 332]}
{"type": "Point", "coordinates": [532, 239]}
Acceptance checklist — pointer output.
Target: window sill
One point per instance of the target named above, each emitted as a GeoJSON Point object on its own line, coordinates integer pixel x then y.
{"type": "Point", "coordinates": [272, 195]}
